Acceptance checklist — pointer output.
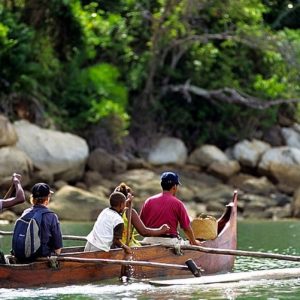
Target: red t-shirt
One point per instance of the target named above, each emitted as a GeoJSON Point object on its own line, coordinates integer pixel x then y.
{"type": "Point", "coordinates": [164, 208]}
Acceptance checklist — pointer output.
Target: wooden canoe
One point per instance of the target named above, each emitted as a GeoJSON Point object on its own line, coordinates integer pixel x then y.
{"type": "Point", "coordinates": [149, 261]}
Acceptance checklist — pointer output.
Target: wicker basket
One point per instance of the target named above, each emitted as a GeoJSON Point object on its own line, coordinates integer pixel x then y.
{"type": "Point", "coordinates": [205, 228]}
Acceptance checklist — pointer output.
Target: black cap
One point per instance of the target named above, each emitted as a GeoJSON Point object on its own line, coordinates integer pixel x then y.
{"type": "Point", "coordinates": [40, 190]}
{"type": "Point", "coordinates": [170, 177]}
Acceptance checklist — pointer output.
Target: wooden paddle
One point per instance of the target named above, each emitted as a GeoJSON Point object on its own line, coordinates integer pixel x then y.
{"type": "Point", "coordinates": [242, 253]}
{"type": "Point", "coordinates": [115, 262]}
{"type": "Point", "coordinates": [126, 270]}
{"type": "Point", "coordinates": [65, 237]}
{"type": "Point", "coordinates": [128, 237]}
{"type": "Point", "coordinates": [9, 192]}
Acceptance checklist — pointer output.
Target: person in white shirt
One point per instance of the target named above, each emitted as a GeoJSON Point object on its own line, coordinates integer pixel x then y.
{"type": "Point", "coordinates": [107, 231]}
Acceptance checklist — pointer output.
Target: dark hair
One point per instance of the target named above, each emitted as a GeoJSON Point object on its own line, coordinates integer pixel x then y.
{"type": "Point", "coordinates": [35, 201]}
{"type": "Point", "coordinates": [166, 186]}
{"type": "Point", "coordinates": [116, 198]}
{"type": "Point", "coordinates": [124, 189]}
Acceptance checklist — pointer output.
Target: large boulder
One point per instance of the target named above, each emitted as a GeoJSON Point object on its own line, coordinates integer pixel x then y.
{"type": "Point", "coordinates": [168, 150]}
{"type": "Point", "coordinates": [283, 164]}
{"type": "Point", "coordinates": [248, 153]}
{"type": "Point", "coordinates": [296, 203]}
{"type": "Point", "coordinates": [224, 169]}
{"type": "Point", "coordinates": [251, 184]}
{"type": "Point", "coordinates": [291, 136]}
{"type": "Point", "coordinates": [13, 160]}
{"type": "Point", "coordinates": [207, 154]}
{"type": "Point", "coordinates": [105, 163]}
{"type": "Point", "coordinates": [8, 134]}
{"type": "Point", "coordinates": [74, 204]}
{"type": "Point", "coordinates": [61, 154]}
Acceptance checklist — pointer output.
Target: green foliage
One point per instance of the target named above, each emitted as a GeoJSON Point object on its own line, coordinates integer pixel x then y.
{"type": "Point", "coordinates": [95, 93]}
{"type": "Point", "coordinates": [271, 87]}
{"type": "Point", "coordinates": [98, 62]}
{"type": "Point", "coordinates": [27, 59]}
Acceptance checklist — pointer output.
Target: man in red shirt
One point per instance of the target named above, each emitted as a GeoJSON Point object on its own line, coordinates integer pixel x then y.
{"type": "Point", "coordinates": [165, 208]}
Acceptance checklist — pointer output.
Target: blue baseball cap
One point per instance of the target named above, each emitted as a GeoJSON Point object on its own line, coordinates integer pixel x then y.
{"type": "Point", "coordinates": [170, 177]}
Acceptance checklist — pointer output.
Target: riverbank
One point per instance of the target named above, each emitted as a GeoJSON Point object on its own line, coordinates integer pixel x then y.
{"type": "Point", "coordinates": [266, 176]}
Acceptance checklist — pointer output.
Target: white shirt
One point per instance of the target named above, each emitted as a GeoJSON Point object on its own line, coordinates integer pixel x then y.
{"type": "Point", "coordinates": [102, 233]}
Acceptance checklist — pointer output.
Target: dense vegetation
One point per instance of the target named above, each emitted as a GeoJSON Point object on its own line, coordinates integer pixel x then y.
{"type": "Point", "coordinates": [206, 71]}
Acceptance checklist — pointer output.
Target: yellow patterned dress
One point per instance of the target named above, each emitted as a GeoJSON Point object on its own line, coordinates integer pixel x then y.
{"type": "Point", "coordinates": [133, 233]}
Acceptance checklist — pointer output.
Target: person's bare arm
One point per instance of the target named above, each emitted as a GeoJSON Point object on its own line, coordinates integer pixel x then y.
{"type": "Point", "coordinates": [117, 239]}
{"type": "Point", "coordinates": [20, 196]}
{"type": "Point", "coordinates": [142, 229]}
{"type": "Point", "coordinates": [190, 236]}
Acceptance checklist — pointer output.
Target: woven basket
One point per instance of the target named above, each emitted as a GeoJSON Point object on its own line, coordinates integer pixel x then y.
{"type": "Point", "coordinates": [205, 228]}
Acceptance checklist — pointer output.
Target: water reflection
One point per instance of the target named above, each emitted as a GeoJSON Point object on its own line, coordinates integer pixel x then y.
{"type": "Point", "coordinates": [264, 289]}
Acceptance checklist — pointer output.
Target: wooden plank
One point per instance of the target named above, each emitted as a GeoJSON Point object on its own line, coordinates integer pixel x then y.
{"type": "Point", "coordinates": [114, 262]}
{"type": "Point", "coordinates": [242, 253]}
{"type": "Point", "coordinates": [232, 277]}
{"type": "Point", "coordinates": [65, 237]}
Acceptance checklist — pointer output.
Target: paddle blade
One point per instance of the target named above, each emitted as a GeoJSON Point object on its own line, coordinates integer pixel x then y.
{"type": "Point", "coordinates": [126, 271]}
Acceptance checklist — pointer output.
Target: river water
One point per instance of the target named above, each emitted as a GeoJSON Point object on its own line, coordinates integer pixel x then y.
{"type": "Point", "coordinates": [267, 236]}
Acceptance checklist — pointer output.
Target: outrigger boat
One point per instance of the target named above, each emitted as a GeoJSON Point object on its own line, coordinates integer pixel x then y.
{"type": "Point", "coordinates": [147, 261]}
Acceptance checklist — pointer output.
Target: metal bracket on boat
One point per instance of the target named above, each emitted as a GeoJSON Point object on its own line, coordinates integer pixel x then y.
{"type": "Point", "coordinates": [53, 262]}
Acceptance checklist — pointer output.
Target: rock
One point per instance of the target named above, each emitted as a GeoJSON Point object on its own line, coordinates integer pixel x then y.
{"type": "Point", "coordinates": [273, 136]}
{"type": "Point", "coordinates": [215, 207]}
{"type": "Point", "coordinates": [248, 153]}
{"type": "Point", "coordinates": [258, 214]}
{"type": "Point", "coordinates": [81, 185]}
{"type": "Point", "coordinates": [280, 212]}
{"type": "Point", "coordinates": [195, 209]}
{"type": "Point", "coordinates": [61, 154]}
{"type": "Point", "coordinates": [74, 204]}
{"type": "Point", "coordinates": [9, 216]}
{"type": "Point", "coordinates": [8, 134]}
{"type": "Point", "coordinates": [168, 150]}
{"type": "Point", "coordinates": [256, 201]}
{"type": "Point", "coordinates": [41, 176]}
{"type": "Point", "coordinates": [18, 209]}
{"type": "Point", "coordinates": [138, 163]}
{"type": "Point", "coordinates": [224, 169]}
{"type": "Point", "coordinates": [59, 184]}
{"type": "Point", "coordinates": [283, 164]}
{"type": "Point", "coordinates": [207, 154]}
{"type": "Point", "coordinates": [101, 191]}
{"type": "Point", "coordinates": [220, 193]}
{"type": "Point", "coordinates": [281, 200]}
{"type": "Point", "coordinates": [92, 178]}
{"type": "Point", "coordinates": [291, 136]}
{"type": "Point", "coordinates": [238, 180]}
{"type": "Point", "coordinates": [13, 160]}
{"type": "Point", "coordinates": [104, 163]}
{"type": "Point", "coordinates": [296, 203]}
{"type": "Point", "coordinates": [259, 186]}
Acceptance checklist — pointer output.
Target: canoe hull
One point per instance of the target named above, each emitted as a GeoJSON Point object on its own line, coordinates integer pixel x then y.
{"type": "Point", "coordinates": [57, 273]}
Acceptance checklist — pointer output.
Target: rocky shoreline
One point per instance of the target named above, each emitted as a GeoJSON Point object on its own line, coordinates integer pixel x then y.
{"type": "Point", "coordinates": [265, 173]}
